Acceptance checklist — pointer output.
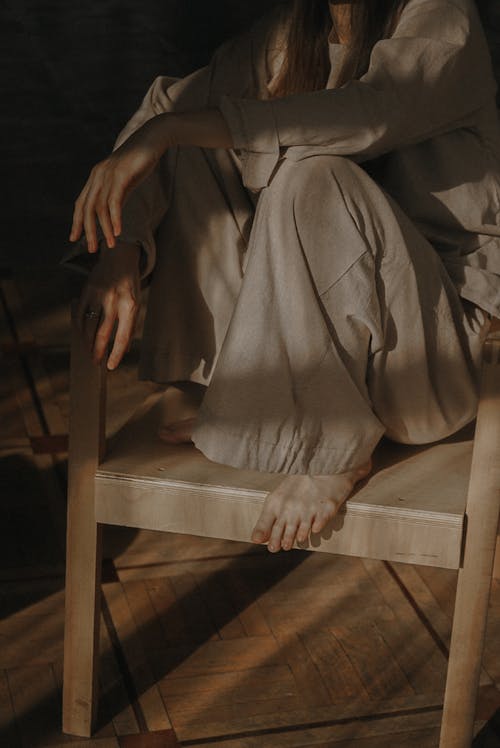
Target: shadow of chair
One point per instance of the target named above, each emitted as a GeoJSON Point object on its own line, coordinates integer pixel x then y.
{"type": "Point", "coordinates": [436, 505]}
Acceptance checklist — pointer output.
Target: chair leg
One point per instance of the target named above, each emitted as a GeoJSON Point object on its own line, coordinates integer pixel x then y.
{"type": "Point", "coordinates": [466, 650]}
{"type": "Point", "coordinates": [84, 540]}
{"type": "Point", "coordinates": [81, 632]}
{"type": "Point", "coordinates": [474, 578]}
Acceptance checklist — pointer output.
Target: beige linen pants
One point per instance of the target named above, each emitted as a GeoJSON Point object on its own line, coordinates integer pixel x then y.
{"type": "Point", "coordinates": [317, 313]}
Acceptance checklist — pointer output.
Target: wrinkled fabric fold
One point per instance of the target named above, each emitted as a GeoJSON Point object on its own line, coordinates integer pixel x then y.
{"type": "Point", "coordinates": [317, 315]}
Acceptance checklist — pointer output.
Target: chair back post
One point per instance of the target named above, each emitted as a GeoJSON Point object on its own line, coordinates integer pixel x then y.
{"type": "Point", "coordinates": [83, 560]}
{"type": "Point", "coordinates": [474, 578]}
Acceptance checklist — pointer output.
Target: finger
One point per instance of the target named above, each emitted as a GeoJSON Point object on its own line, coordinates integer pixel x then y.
{"type": "Point", "coordinates": [115, 202]}
{"type": "Point", "coordinates": [126, 319]}
{"type": "Point", "coordinates": [277, 533]}
{"type": "Point", "coordinates": [77, 223]}
{"type": "Point", "coordinates": [289, 534]}
{"type": "Point", "coordinates": [105, 218]}
{"type": "Point", "coordinates": [105, 330]}
{"type": "Point", "coordinates": [89, 214]}
{"type": "Point", "coordinates": [89, 223]}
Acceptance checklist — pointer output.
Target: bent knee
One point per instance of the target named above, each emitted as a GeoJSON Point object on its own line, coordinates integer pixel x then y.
{"type": "Point", "coordinates": [329, 186]}
{"type": "Point", "coordinates": [325, 172]}
{"type": "Point", "coordinates": [430, 427]}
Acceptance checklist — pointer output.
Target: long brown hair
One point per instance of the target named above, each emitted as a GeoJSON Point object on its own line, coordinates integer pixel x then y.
{"type": "Point", "coordinates": [306, 64]}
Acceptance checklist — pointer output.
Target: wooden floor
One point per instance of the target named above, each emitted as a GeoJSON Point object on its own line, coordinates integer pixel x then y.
{"type": "Point", "coordinates": [204, 642]}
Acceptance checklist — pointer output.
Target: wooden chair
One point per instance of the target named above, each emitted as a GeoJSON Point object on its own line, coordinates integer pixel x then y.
{"type": "Point", "coordinates": [415, 508]}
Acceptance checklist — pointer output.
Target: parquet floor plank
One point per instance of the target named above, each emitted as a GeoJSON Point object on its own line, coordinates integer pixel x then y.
{"type": "Point", "coordinates": [141, 596]}
{"type": "Point", "coordinates": [147, 554]}
{"type": "Point", "coordinates": [12, 428]}
{"type": "Point", "coordinates": [9, 734]}
{"type": "Point", "coordinates": [423, 596]}
{"type": "Point", "coordinates": [32, 526]}
{"type": "Point", "coordinates": [249, 611]}
{"type": "Point", "coordinates": [393, 729]}
{"type": "Point", "coordinates": [114, 703]}
{"type": "Point", "coordinates": [410, 642]}
{"type": "Point", "coordinates": [31, 628]}
{"type": "Point", "coordinates": [352, 711]}
{"type": "Point", "coordinates": [244, 565]}
{"type": "Point", "coordinates": [230, 696]}
{"type": "Point", "coordinates": [337, 671]}
{"type": "Point", "coordinates": [197, 715]}
{"type": "Point", "coordinates": [218, 603]}
{"type": "Point", "coordinates": [442, 586]}
{"type": "Point", "coordinates": [216, 656]}
{"type": "Point", "coordinates": [87, 743]}
{"type": "Point", "coordinates": [418, 739]}
{"type": "Point", "coordinates": [373, 660]}
{"type": "Point", "coordinates": [197, 620]}
{"type": "Point", "coordinates": [149, 701]}
{"type": "Point", "coordinates": [431, 608]}
{"type": "Point", "coordinates": [326, 591]}
{"type": "Point", "coordinates": [170, 615]}
{"type": "Point", "coordinates": [36, 705]}
{"type": "Point", "coordinates": [159, 739]}
{"type": "Point", "coordinates": [310, 685]}
{"type": "Point", "coordinates": [23, 396]}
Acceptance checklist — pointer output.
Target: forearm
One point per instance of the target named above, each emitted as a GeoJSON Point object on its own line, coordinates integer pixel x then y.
{"type": "Point", "coordinates": [206, 129]}
{"type": "Point", "coordinates": [112, 180]}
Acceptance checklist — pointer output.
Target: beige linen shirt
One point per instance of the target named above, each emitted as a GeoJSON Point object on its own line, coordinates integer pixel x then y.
{"type": "Point", "coordinates": [422, 121]}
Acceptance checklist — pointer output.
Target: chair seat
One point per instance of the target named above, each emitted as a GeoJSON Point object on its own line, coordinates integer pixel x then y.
{"type": "Point", "coordinates": [415, 498]}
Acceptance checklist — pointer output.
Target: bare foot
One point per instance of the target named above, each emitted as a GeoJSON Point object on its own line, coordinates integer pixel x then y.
{"type": "Point", "coordinates": [180, 405]}
{"type": "Point", "coordinates": [179, 432]}
{"type": "Point", "coordinates": [302, 504]}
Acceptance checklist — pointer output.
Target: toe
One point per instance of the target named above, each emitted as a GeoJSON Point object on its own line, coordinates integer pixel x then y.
{"type": "Point", "coordinates": [275, 540]}
{"type": "Point", "coordinates": [262, 530]}
{"type": "Point", "coordinates": [303, 531]}
{"type": "Point", "coordinates": [319, 524]}
{"type": "Point", "coordinates": [289, 534]}
{"type": "Point", "coordinates": [322, 518]}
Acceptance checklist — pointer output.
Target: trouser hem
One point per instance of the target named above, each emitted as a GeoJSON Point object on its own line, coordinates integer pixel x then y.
{"type": "Point", "coordinates": [250, 452]}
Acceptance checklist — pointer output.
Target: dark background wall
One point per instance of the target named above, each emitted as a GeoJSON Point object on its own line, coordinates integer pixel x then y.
{"type": "Point", "coordinates": [72, 73]}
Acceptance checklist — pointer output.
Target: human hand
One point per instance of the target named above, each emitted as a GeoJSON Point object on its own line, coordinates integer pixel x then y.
{"type": "Point", "coordinates": [111, 295]}
{"type": "Point", "coordinates": [111, 181]}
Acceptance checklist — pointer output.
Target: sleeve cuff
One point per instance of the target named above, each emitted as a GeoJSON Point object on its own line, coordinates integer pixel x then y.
{"type": "Point", "coordinates": [253, 129]}
{"type": "Point", "coordinates": [79, 259]}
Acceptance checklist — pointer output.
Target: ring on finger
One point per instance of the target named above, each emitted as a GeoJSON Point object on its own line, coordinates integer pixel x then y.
{"type": "Point", "coordinates": [92, 314]}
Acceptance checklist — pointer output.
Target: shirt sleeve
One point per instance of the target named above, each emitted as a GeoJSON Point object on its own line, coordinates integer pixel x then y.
{"type": "Point", "coordinates": [430, 77]}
